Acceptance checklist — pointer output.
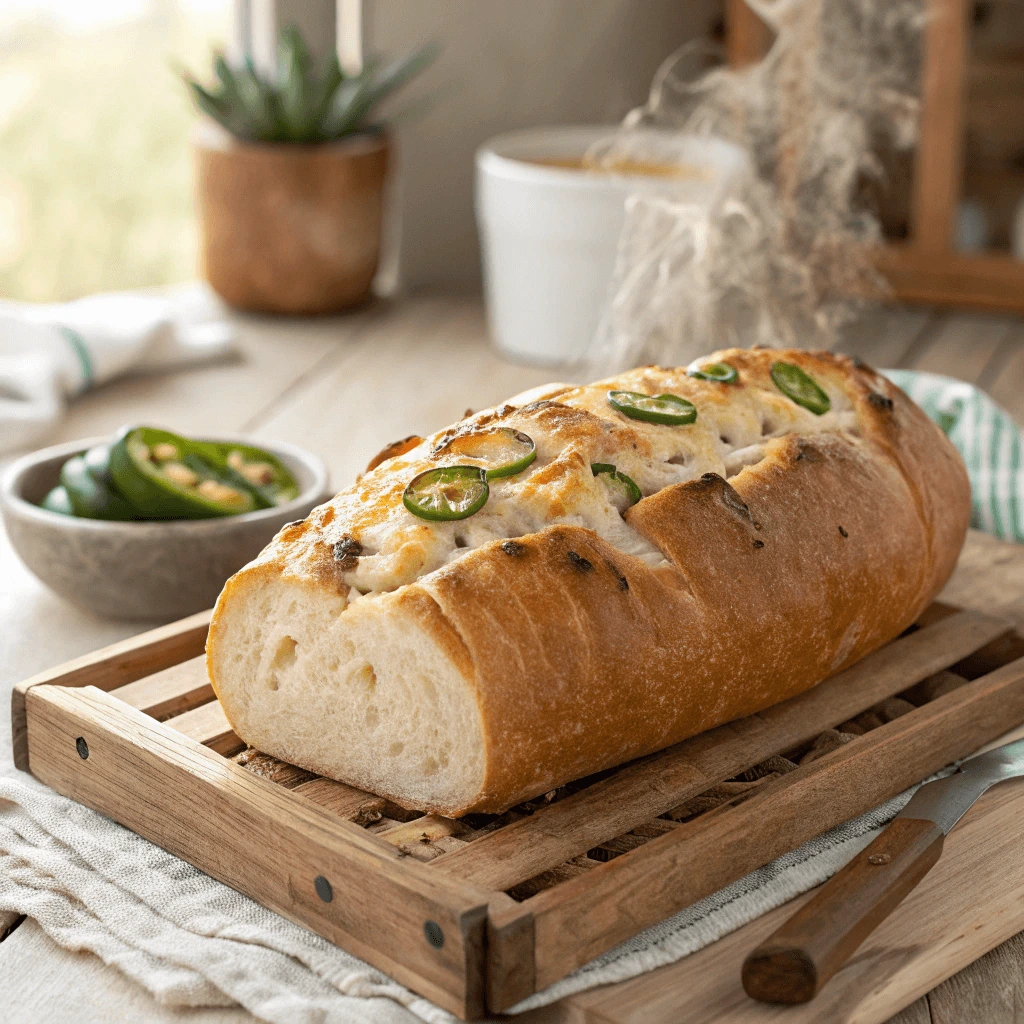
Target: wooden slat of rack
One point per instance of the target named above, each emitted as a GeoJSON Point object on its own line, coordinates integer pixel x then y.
{"type": "Point", "coordinates": [345, 801]}
{"type": "Point", "coordinates": [258, 838]}
{"type": "Point", "coordinates": [171, 691]}
{"type": "Point", "coordinates": [208, 725]}
{"type": "Point", "coordinates": [582, 918]}
{"type": "Point", "coordinates": [113, 666]}
{"type": "Point", "coordinates": [425, 838]}
{"type": "Point", "coordinates": [650, 787]}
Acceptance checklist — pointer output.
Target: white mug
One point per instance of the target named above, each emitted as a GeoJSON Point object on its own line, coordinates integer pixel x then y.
{"type": "Point", "coordinates": [549, 234]}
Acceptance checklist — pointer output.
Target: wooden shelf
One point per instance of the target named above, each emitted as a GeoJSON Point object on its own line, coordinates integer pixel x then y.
{"type": "Point", "coordinates": [927, 268]}
{"type": "Point", "coordinates": [993, 281]}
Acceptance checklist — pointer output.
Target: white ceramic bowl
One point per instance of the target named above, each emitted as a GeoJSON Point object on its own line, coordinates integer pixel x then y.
{"type": "Point", "coordinates": [148, 571]}
{"type": "Point", "coordinates": [549, 234]}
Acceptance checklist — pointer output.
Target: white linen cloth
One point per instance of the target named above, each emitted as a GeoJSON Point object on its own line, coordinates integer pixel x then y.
{"type": "Point", "coordinates": [192, 941]}
{"type": "Point", "coordinates": [52, 352]}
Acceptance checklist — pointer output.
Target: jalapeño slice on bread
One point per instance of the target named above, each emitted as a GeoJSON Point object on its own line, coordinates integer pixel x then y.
{"type": "Point", "coordinates": [622, 489]}
{"type": "Point", "coordinates": [447, 493]}
{"type": "Point", "coordinates": [721, 372]}
{"type": "Point", "coordinates": [504, 451]}
{"type": "Point", "coordinates": [797, 385]}
{"type": "Point", "coordinates": [670, 410]}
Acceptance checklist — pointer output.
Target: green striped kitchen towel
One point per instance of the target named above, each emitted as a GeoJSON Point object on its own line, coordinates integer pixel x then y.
{"type": "Point", "coordinates": [989, 441]}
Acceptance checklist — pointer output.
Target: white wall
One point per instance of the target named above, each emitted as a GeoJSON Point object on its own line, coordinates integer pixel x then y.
{"type": "Point", "coordinates": [508, 64]}
{"type": "Point", "coordinates": [258, 25]}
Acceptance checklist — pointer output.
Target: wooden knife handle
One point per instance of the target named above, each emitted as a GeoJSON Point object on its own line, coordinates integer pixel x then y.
{"type": "Point", "coordinates": [792, 965]}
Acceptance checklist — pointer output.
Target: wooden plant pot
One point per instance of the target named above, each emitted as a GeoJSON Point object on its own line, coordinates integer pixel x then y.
{"type": "Point", "coordinates": [290, 228]}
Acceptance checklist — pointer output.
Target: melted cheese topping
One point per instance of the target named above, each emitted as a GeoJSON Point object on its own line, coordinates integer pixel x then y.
{"type": "Point", "coordinates": [573, 427]}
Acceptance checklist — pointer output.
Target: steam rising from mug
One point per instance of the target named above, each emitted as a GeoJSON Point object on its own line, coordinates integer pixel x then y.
{"type": "Point", "coordinates": [783, 256]}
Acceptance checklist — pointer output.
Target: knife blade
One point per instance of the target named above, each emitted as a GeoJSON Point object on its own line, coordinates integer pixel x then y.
{"type": "Point", "coordinates": [794, 963]}
{"type": "Point", "coordinates": [945, 801]}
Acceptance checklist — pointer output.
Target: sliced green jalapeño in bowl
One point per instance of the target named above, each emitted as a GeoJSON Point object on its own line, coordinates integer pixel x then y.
{"type": "Point", "coordinates": [504, 451]}
{"type": "Point", "coordinates": [447, 493]}
{"type": "Point", "coordinates": [721, 372]}
{"type": "Point", "coordinates": [668, 409]}
{"type": "Point", "coordinates": [797, 385]}
{"type": "Point", "coordinates": [622, 489]}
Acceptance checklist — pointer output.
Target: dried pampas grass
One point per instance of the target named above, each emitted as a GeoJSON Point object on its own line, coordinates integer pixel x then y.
{"type": "Point", "coordinates": [782, 255]}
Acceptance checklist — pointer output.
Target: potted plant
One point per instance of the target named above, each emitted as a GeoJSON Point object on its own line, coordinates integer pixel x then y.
{"type": "Point", "coordinates": [291, 173]}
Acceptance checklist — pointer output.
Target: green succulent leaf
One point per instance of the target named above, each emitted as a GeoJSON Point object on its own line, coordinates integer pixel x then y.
{"type": "Point", "coordinates": [301, 104]}
{"type": "Point", "coordinates": [212, 106]}
{"type": "Point", "coordinates": [257, 104]}
{"type": "Point", "coordinates": [292, 56]}
{"type": "Point", "coordinates": [293, 81]}
{"type": "Point", "coordinates": [229, 97]}
{"type": "Point", "coordinates": [321, 94]}
{"type": "Point", "coordinates": [403, 70]}
{"type": "Point", "coordinates": [347, 109]}
{"type": "Point", "coordinates": [225, 76]}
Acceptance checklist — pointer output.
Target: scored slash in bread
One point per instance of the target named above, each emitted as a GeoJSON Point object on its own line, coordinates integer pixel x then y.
{"type": "Point", "coordinates": [469, 665]}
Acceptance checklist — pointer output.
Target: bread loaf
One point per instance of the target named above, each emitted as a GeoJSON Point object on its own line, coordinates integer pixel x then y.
{"type": "Point", "coordinates": [468, 665]}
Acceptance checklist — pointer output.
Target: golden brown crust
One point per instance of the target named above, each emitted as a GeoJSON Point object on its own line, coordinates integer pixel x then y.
{"type": "Point", "coordinates": [825, 550]}
{"type": "Point", "coordinates": [393, 450]}
{"type": "Point", "coordinates": [583, 656]}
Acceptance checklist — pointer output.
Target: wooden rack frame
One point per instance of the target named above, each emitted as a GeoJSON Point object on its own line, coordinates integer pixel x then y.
{"type": "Point", "coordinates": [476, 914]}
{"type": "Point", "coordinates": [927, 268]}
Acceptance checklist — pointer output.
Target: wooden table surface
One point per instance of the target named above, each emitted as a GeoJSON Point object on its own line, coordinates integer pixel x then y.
{"type": "Point", "coordinates": [343, 387]}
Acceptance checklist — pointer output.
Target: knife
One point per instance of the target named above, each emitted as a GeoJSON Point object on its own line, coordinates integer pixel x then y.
{"type": "Point", "coordinates": [799, 958]}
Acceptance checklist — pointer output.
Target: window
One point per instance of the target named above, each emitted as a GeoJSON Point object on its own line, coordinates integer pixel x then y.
{"type": "Point", "coordinates": [95, 165]}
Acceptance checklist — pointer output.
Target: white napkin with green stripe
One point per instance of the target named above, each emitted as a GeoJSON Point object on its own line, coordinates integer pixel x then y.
{"type": "Point", "coordinates": [987, 438]}
{"type": "Point", "coordinates": [51, 352]}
